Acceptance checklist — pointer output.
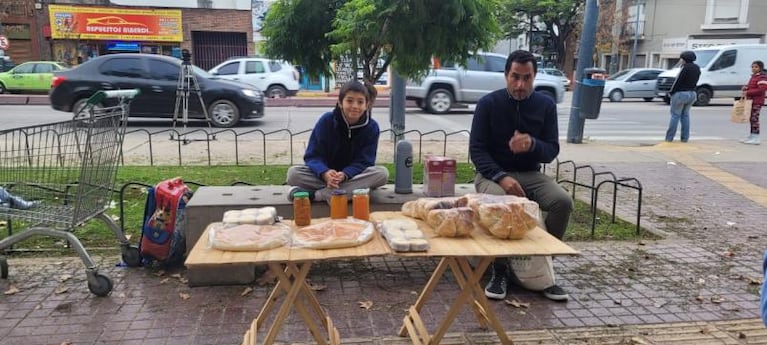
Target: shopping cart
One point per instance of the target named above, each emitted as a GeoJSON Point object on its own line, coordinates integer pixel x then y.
{"type": "Point", "coordinates": [61, 175]}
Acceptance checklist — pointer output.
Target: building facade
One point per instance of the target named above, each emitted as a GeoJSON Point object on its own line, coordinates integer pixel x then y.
{"type": "Point", "coordinates": [663, 29]}
{"type": "Point", "coordinates": [74, 31]}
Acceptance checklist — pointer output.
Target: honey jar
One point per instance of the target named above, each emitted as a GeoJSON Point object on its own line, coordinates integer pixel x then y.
{"type": "Point", "coordinates": [361, 204]}
{"type": "Point", "coordinates": [302, 209]}
{"type": "Point", "coordinates": [339, 204]}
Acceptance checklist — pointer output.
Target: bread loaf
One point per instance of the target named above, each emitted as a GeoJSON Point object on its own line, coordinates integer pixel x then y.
{"type": "Point", "coordinates": [453, 222]}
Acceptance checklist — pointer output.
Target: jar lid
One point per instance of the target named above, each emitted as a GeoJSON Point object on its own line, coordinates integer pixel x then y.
{"type": "Point", "coordinates": [361, 191]}
{"type": "Point", "coordinates": [339, 192]}
{"type": "Point", "coordinates": [301, 195]}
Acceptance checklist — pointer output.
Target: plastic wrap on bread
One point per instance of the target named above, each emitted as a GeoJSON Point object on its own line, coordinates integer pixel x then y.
{"type": "Point", "coordinates": [451, 222]}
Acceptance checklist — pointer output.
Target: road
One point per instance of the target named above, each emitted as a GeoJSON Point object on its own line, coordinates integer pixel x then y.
{"type": "Point", "coordinates": [630, 121]}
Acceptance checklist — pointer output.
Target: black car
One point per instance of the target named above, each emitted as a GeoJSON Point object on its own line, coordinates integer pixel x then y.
{"type": "Point", "coordinates": [158, 77]}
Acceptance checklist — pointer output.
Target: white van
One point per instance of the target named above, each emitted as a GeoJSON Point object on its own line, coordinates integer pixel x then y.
{"type": "Point", "coordinates": [723, 71]}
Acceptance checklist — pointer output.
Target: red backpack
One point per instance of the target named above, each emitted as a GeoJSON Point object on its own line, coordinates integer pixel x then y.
{"type": "Point", "coordinates": [163, 238]}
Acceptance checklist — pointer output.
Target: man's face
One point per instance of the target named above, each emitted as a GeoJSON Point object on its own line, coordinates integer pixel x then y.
{"type": "Point", "coordinates": [519, 80]}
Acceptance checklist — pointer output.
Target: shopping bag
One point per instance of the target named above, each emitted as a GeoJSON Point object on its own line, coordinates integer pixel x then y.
{"type": "Point", "coordinates": [741, 111]}
{"type": "Point", "coordinates": [533, 272]}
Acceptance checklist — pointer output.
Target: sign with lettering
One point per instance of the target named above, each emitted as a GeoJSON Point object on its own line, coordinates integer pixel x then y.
{"type": "Point", "coordinates": [4, 42]}
{"type": "Point", "coordinates": [100, 23]}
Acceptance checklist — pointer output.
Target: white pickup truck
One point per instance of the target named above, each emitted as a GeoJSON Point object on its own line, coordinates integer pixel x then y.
{"type": "Point", "coordinates": [483, 73]}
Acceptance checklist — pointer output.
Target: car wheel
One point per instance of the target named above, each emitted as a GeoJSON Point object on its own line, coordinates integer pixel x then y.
{"type": "Point", "coordinates": [2, 88]}
{"type": "Point", "coordinates": [276, 91]}
{"type": "Point", "coordinates": [704, 97]}
{"type": "Point", "coordinates": [648, 99]}
{"type": "Point", "coordinates": [223, 113]}
{"type": "Point", "coordinates": [439, 101]}
{"type": "Point", "coordinates": [616, 96]}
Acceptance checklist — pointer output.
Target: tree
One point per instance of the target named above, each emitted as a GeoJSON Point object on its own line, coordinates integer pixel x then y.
{"type": "Point", "coordinates": [559, 17]}
{"type": "Point", "coordinates": [377, 33]}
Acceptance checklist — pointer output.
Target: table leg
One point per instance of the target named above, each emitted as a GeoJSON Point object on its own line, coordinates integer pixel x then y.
{"type": "Point", "coordinates": [471, 293]}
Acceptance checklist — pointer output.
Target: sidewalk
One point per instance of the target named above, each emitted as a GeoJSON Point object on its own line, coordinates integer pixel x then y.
{"type": "Point", "coordinates": [696, 286]}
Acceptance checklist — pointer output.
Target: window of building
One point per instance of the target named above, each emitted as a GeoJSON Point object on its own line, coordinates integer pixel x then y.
{"type": "Point", "coordinates": [726, 14]}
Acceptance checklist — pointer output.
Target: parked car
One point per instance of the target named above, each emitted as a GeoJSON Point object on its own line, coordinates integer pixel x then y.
{"type": "Point", "coordinates": [158, 77]}
{"type": "Point", "coordinates": [632, 83]}
{"type": "Point", "coordinates": [482, 74]}
{"type": "Point", "coordinates": [557, 73]}
{"type": "Point", "coordinates": [34, 76]}
{"type": "Point", "coordinates": [278, 79]}
{"type": "Point", "coordinates": [723, 71]}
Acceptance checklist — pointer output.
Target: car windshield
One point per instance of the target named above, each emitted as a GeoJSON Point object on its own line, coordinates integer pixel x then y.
{"type": "Point", "coordinates": [620, 75]}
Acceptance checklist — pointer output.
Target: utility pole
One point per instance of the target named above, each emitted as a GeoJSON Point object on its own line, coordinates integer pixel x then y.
{"type": "Point", "coordinates": [585, 51]}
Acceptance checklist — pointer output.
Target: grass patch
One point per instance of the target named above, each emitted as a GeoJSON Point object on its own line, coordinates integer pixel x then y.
{"type": "Point", "coordinates": [96, 237]}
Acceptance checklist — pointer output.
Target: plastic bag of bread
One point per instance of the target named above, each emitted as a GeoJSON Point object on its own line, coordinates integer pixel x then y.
{"type": "Point", "coordinates": [420, 208]}
{"type": "Point", "coordinates": [336, 233]}
{"type": "Point", "coordinates": [506, 221]}
{"type": "Point", "coordinates": [451, 222]}
{"type": "Point", "coordinates": [249, 237]}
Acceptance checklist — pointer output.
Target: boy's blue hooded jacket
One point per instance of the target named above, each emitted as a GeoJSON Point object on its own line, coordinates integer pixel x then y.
{"type": "Point", "coordinates": [334, 144]}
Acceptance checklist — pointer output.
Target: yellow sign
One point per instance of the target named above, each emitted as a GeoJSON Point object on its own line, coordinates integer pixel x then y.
{"type": "Point", "coordinates": [100, 23]}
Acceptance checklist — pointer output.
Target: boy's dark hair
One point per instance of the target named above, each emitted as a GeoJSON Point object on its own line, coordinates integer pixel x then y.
{"type": "Point", "coordinates": [356, 86]}
{"type": "Point", "coordinates": [522, 57]}
{"type": "Point", "coordinates": [759, 63]}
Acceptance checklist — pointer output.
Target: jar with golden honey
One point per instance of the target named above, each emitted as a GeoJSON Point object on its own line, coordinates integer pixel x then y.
{"type": "Point", "coordinates": [302, 209]}
{"type": "Point", "coordinates": [339, 204]}
{"type": "Point", "coordinates": [361, 204]}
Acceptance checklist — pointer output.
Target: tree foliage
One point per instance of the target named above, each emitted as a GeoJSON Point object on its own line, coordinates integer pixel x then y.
{"type": "Point", "coordinates": [402, 33]}
{"type": "Point", "coordinates": [560, 19]}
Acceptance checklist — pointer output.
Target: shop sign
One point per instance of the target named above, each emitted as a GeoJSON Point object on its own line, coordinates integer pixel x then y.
{"type": "Point", "coordinates": [100, 23]}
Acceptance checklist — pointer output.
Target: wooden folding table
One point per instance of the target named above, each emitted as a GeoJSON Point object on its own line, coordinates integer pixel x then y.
{"type": "Point", "coordinates": [455, 253]}
{"type": "Point", "coordinates": [291, 265]}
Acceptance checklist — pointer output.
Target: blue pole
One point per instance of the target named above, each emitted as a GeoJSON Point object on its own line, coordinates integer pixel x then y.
{"type": "Point", "coordinates": [585, 51]}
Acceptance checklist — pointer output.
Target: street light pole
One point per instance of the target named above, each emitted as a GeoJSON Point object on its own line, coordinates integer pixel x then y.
{"type": "Point", "coordinates": [585, 60]}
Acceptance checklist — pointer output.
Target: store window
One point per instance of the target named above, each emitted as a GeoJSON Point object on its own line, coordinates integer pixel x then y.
{"type": "Point", "coordinates": [726, 14]}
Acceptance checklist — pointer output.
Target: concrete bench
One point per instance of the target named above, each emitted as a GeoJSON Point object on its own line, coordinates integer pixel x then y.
{"type": "Point", "coordinates": [210, 202]}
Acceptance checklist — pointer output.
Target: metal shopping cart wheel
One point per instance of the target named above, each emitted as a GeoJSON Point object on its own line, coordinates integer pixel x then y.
{"type": "Point", "coordinates": [99, 284]}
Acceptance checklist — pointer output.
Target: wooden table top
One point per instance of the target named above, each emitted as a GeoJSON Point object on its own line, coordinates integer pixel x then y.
{"type": "Point", "coordinates": [479, 243]}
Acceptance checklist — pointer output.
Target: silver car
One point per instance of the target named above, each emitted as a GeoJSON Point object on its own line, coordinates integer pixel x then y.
{"type": "Point", "coordinates": [632, 83]}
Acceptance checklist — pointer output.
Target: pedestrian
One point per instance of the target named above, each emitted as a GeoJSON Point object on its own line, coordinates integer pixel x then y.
{"type": "Point", "coordinates": [342, 149]}
{"type": "Point", "coordinates": [683, 96]}
{"type": "Point", "coordinates": [513, 131]}
{"type": "Point", "coordinates": [754, 91]}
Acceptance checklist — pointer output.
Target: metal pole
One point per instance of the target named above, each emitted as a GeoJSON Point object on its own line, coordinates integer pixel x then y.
{"type": "Point", "coordinates": [636, 34]}
{"type": "Point", "coordinates": [585, 51]}
{"type": "Point", "coordinates": [397, 106]}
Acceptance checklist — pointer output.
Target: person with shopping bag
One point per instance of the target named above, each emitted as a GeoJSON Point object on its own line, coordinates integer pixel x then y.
{"type": "Point", "coordinates": [754, 91]}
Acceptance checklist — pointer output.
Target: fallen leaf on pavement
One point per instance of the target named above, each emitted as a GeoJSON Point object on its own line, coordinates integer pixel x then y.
{"type": "Point", "coordinates": [516, 303]}
{"type": "Point", "coordinates": [159, 273]}
{"type": "Point", "coordinates": [699, 298]}
{"type": "Point", "coordinates": [65, 277]}
{"type": "Point", "coordinates": [730, 223]}
{"type": "Point", "coordinates": [705, 330]}
{"type": "Point", "coordinates": [184, 296]}
{"type": "Point", "coordinates": [728, 254]}
{"type": "Point", "coordinates": [641, 243]}
{"type": "Point", "coordinates": [366, 305]}
{"type": "Point", "coordinates": [741, 335]}
{"type": "Point", "coordinates": [247, 291]}
{"type": "Point", "coordinates": [164, 280]}
{"type": "Point", "coordinates": [638, 341]}
{"type": "Point", "coordinates": [60, 290]}
{"type": "Point", "coordinates": [317, 287]}
{"type": "Point", "coordinates": [717, 299]}
{"type": "Point", "coordinates": [121, 295]}
{"type": "Point", "coordinates": [176, 275]}
{"type": "Point", "coordinates": [753, 281]}
{"type": "Point", "coordinates": [66, 343]}
{"type": "Point", "coordinates": [12, 290]}
{"type": "Point", "coordinates": [660, 304]}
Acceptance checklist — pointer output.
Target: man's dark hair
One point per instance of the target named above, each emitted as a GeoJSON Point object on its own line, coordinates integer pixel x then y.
{"type": "Point", "coordinates": [520, 56]}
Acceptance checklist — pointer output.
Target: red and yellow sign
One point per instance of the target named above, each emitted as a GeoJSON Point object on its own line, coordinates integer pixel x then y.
{"type": "Point", "coordinates": [99, 23]}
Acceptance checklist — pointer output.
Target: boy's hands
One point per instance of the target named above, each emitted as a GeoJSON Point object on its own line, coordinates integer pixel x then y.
{"type": "Point", "coordinates": [333, 178]}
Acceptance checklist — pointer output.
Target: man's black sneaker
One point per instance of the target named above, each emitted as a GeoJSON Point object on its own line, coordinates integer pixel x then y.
{"type": "Point", "coordinates": [295, 189]}
{"type": "Point", "coordinates": [496, 287]}
{"type": "Point", "coordinates": [556, 293]}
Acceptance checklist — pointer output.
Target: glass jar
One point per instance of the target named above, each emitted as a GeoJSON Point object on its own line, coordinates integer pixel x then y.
{"type": "Point", "coordinates": [361, 204]}
{"type": "Point", "coordinates": [302, 209]}
{"type": "Point", "coordinates": [339, 204]}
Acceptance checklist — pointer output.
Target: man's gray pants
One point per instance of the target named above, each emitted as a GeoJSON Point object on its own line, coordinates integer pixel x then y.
{"type": "Point", "coordinates": [304, 178]}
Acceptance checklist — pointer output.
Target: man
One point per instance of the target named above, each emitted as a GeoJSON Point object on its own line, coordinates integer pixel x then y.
{"type": "Point", "coordinates": [683, 95]}
{"type": "Point", "coordinates": [515, 130]}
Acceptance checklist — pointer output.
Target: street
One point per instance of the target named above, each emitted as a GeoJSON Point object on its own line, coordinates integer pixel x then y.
{"type": "Point", "coordinates": [629, 122]}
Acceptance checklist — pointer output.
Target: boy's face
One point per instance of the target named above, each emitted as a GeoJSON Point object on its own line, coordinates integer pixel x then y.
{"type": "Point", "coordinates": [354, 104]}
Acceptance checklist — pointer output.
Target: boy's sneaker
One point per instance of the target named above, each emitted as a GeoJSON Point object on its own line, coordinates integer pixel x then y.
{"type": "Point", "coordinates": [496, 287]}
{"type": "Point", "coordinates": [295, 189]}
{"type": "Point", "coordinates": [555, 293]}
